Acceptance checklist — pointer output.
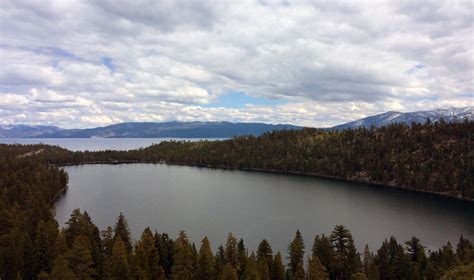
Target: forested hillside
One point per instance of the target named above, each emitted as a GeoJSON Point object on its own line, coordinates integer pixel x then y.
{"type": "Point", "coordinates": [433, 157]}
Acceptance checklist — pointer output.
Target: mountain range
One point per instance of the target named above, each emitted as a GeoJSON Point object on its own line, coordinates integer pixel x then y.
{"type": "Point", "coordinates": [220, 129]}
{"type": "Point", "coordinates": [448, 115]}
{"type": "Point", "coordinates": [146, 130]}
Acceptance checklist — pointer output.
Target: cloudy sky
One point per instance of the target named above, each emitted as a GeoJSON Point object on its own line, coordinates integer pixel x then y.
{"type": "Point", "coordinates": [88, 63]}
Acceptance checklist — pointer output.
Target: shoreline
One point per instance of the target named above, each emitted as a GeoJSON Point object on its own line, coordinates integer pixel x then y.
{"type": "Point", "coordinates": [272, 171]}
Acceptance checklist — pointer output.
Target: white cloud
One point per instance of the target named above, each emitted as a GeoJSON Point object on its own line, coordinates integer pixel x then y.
{"type": "Point", "coordinates": [85, 63]}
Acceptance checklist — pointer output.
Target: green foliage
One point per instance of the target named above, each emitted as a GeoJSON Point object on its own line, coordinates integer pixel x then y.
{"type": "Point", "coordinates": [229, 273]}
{"type": "Point", "coordinates": [118, 267]}
{"type": "Point", "coordinates": [183, 258]}
{"type": "Point", "coordinates": [62, 270]}
{"type": "Point", "coordinates": [80, 258]}
{"type": "Point", "coordinates": [316, 271]}
{"type": "Point", "coordinates": [147, 257]}
{"type": "Point", "coordinates": [346, 260]}
{"type": "Point", "coordinates": [465, 272]}
{"type": "Point", "coordinates": [251, 269]}
{"type": "Point", "coordinates": [296, 256]}
{"type": "Point", "coordinates": [278, 270]}
{"type": "Point", "coordinates": [205, 269]}
{"type": "Point", "coordinates": [121, 229]}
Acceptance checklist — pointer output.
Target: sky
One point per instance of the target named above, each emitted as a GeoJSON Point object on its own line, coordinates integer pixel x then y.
{"type": "Point", "coordinates": [77, 64]}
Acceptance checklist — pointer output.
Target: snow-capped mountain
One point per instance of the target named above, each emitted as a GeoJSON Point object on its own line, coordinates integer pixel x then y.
{"type": "Point", "coordinates": [449, 115]}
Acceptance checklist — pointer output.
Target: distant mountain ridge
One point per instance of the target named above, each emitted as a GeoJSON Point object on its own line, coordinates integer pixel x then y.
{"type": "Point", "coordinates": [221, 129]}
{"type": "Point", "coordinates": [448, 115]}
{"type": "Point", "coordinates": [146, 130]}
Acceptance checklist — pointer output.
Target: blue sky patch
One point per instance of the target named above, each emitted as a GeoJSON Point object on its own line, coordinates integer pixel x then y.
{"type": "Point", "coordinates": [107, 61]}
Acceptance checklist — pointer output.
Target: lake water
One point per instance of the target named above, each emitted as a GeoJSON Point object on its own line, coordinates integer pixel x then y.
{"type": "Point", "coordinates": [255, 205]}
{"type": "Point", "coordinates": [96, 144]}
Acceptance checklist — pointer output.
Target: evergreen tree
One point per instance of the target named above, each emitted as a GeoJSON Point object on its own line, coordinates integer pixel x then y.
{"type": "Point", "coordinates": [228, 273]}
{"type": "Point", "coordinates": [231, 251]}
{"type": "Point", "coordinates": [205, 268]}
{"type": "Point", "coordinates": [183, 258]}
{"type": "Point", "coordinates": [121, 229]}
{"type": "Point", "coordinates": [220, 260]}
{"type": "Point", "coordinates": [60, 245]}
{"type": "Point", "coordinates": [391, 261]}
{"type": "Point", "coordinates": [316, 271]}
{"type": "Point", "coordinates": [322, 248]}
{"type": "Point", "coordinates": [278, 270]}
{"type": "Point", "coordinates": [251, 269]}
{"type": "Point", "coordinates": [107, 241]}
{"type": "Point", "coordinates": [80, 258]}
{"type": "Point", "coordinates": [465, 250]}
{"type": "Point", "coordinates": [346, 260]}
{"type": "Point", "coordinates": [62, 270]}
{"type": "Point", "coordinates": [165, 245]}
{"type": "Point", "coordinates": [416, 253]}
{"type": "Point", "coordinates": [46, 234]}
{"type": "Point", "coordinates": [241, 258]}
{"type": "Point", "coordinates": [118, 267]}
{"type": "Point", "coordinates": [264, 250]}
{"type": "Point", "coordinates": [296, 256]}
{"type": "Point", "coordinates": [147, 256]}
{"type": "Point", "coordinates": [299, 273]}
{"type": "Point", "coordinates": [263, 268]}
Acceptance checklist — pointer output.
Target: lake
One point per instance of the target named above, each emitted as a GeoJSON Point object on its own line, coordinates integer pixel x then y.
{"type": "Point", "coordinates": [254, 205]}
{"type": "Point", "coordinates": [97, 144]}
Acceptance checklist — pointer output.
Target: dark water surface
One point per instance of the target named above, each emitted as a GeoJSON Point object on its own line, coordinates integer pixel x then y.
{"type": "Point", "coordinates": [255, 205]}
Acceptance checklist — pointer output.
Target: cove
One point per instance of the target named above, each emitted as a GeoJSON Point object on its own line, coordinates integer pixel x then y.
{"type": "Point", "coordinates": [252, 205]}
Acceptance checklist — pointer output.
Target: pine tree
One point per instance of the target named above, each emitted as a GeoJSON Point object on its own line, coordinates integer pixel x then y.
{"type": "Point", "coordinates": [220, 260]}
{"type": "Point", "coordinates": [367, 260]}
{"type": "Point", "coordinates": [46, 234]}
{"type": "Point", "coordinates": [62, 270]}
{"type": "Point", "coordinates": [231, 251]}
{"type": "Point", "coordinates": [183, 258]}
{"type": "Point", "coordinates": [80, 258]}
{"type": "Point", "coordinates": [322, 248]}
{"type": "Point", "coordinates": [299, 273]}
{"type": "Point", "coordinates": [121, 229]}
{"type": "Point", "coordinates": [147, 256]}
{"type": "Point", "coordinates": [263, 268]}
{"type": "Point", "coordinates": [241, 257]}
{"type": "Point", "coordinates": [296, 255]}
{"type": "Point", "coordinates": [316, 271]}
{"type": "Point", "coordinates": [165, 245]}
{"type": "Point", "coordinates": [278, 270]}
{"type": "Point", "coordinates": [228, 273]}
{"type": "Point", "coordinates": [107, 241]}
{"type": "Point", "coordinates": [346, 259]}
{"type": "Point", "coordinates": [465, 250]}
{"type": "Point", "coordinates": [251, 269]}
{"type": "Point", "coordinates": [118, 267]}
{"type": "Point", "coordinates": [265, 252]}
{"type": "Point", "coordinates": [205, 269]}
{"type": "Point", "coordinates": [60, 245]}
{"type": "Point", "coordinates": [418, 258]}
